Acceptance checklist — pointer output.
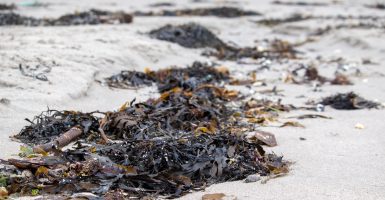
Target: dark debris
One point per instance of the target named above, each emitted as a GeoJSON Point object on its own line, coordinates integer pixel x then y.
{"type": "Point", "coordinates": [380, 6]}
{"type": "Point", "coordinates": [7, 6]}
{"type": "Point", "coordinates": [91, 17]}
{"type": "Point", "coordinates": [299, 3]}
{"type": "Point", "coordinates": [227, 12]}
{"type": "Point", "coordinates": [349, 101]}
{"type": "Point", "coordinates": [196, 36]}
{"type": "Point", "coordinates": [185, 140]}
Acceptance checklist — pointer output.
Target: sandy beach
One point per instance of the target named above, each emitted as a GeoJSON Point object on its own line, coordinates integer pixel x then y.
{"type": "Point", "coordinates": [334, 160]}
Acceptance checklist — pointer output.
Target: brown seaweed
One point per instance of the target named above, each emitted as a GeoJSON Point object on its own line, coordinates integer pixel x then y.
{"type": "Point", "coordinates": [185, 140]}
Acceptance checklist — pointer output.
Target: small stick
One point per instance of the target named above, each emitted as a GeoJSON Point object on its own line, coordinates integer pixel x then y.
{"type": "Point", "coordinates": [62, 141]}
{"type": "Point", "coordinates": [103, 135]}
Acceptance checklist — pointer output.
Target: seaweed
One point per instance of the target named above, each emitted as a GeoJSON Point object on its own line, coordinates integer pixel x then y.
{"type": "Point", "coordinates": [380, 6]}
{"type": "Point", "coordinates": [187, 78]}
{"type": "Point", "coordinates": [226, 12]}
{"type": "Point", "coordinates": [349, 101]}
{"type": "Point", "coordinates": [197, 36]}
{"type": "Point", "coordinates": [188, 35]}
{"type": "Point", "coordinates": [186, 139]}
{"type": "Point", "coordinates": [312, 75]}
{"type": "Point", "coordinates": [299, 3]}
{"type": "Point", "coordinates": [91, 17]}
{"type": "Point", "coordinates": [7, 6]}
{"type": "Point", "coordinates": [51, 123]}
{"type": "Point", "coordinates": [296, 17]}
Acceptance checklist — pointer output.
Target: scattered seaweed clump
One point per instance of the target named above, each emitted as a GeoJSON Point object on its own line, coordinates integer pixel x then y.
{"type": "Point", "coordinates": [196, 36]}
{"type": "Point", "coordinates": [7, 6]}
{"type": "Point", "coordinates": [186, 139]}
{"type": "Point", "coordinates": [188, 78]}
{"type": "Point", "coordinates": [296, 17]}
{"type": "Point", "coordinates": [380, 6]}
{"type": "Point", "coordinates": [225, 12]}
{"type": "Point", "coordinates": [349, 101]}
{"type": "Point", "coordinates": [50, 124]}
{"type": "Point", "coordinates": [91, 17]}
{"type": "Point", "coordinates": [162, 4]}
{"type": "Point", "coordinates": [299, 3]}
{"type": "Point", "coordinates": [16, 19]}
{"type": "Point", "coordinates": [311, 75]}
{"type": "Point", "coordinates": [188, 35]}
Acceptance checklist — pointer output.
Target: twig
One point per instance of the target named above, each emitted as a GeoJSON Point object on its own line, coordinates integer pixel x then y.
{"type": "Point", "coordinates": [62, 141]}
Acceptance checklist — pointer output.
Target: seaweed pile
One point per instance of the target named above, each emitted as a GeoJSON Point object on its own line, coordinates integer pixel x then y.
{"type": "Point", "coordinates": [196, 36]}
{"type": "Point", "coordinates": [299, 3]}
{"type": "Point", "coordinates": [166, 79]}
{"type": "Point", "coordinates": [380, 6]}
{"type": "Point", "coordinates": [91, 17]}
{"type": "Point", "coordinates": [348, 101]}
{"type": "Point", "coordinates": [7, 6]}
{"type": "Point", "coordinates": [344, 21]}
{"type": "Point", "coordinates": [227, 12]}
{"type": "Point", "coordinates": [188, 138]}
{"type": "Point", "coordinates": [296, 17]}
{"type": "Point", "coordinates": [311, 75]}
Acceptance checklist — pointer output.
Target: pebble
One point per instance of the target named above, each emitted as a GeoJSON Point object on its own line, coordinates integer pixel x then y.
{"type": "Point", "coordinates": [252, 178]}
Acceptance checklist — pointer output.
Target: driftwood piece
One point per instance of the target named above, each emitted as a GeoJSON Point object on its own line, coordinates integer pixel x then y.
{"type": "Point", "coordinates": [62, 141]}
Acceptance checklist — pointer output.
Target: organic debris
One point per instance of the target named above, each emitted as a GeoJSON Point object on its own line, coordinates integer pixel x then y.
{"type": "Point", "coordinates": [299, 3]}
{"type": "Point", "coordinates": [187, 78]}
{"type": "Point", "coordinates": [227, 12]}
{"type": "Point", "coordinates": [91, 17]}
{"type": "Point", "coordinates": [349, 101]}
{"type": "Point", "coordinates": [218, 196]}
{"type": "Point", "coordinates": [7, 6]}
{"type": "Point", "coordinates": [162, 4]}
{"type": "Point", "coordinates": [339, 22]}
{"type": "Point", "coordinates": [296, 17]}
{"type": "Point", "coordinates": [311, 116]}
{"type": "Point", "coordinates": [292, 124]}
{"type": "Point", "coordinates": [380, 6]}
{"type": "Point", "coordinates": [5, 101]}
{"type": "Point", "coordinates": [196, 36]}
{"type": "Point", "coordinates": [188, 138]}
{"type": "Point", "coordinates": [52, 123]}
{"type": "Point", "coordinates": [311, 74]}
{"type": "Point", "coordinates": [188, 35]}
{"type": "Point", "coordinates": [263, 137]}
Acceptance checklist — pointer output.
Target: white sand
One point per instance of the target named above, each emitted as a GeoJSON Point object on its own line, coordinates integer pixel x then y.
{"type": "Point", "coordinates": [336, 161]}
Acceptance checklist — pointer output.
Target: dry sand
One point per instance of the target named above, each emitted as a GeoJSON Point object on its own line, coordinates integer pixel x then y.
{"type": "Point", "coordinates": [336, 161]}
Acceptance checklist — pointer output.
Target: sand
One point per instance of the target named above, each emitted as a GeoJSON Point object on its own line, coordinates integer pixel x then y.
{"type": "Point", "coordinates": [336, 161]}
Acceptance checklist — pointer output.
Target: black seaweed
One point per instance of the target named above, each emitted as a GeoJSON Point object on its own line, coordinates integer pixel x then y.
{"type": "Point", "coordinates": [91, 17]}
{"type": "Point", "coordinates": [226, 12]}
{"type": "Point", "coordinates": [196, 36]}
{"type": "Point", "coordinates": [348, 101]}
